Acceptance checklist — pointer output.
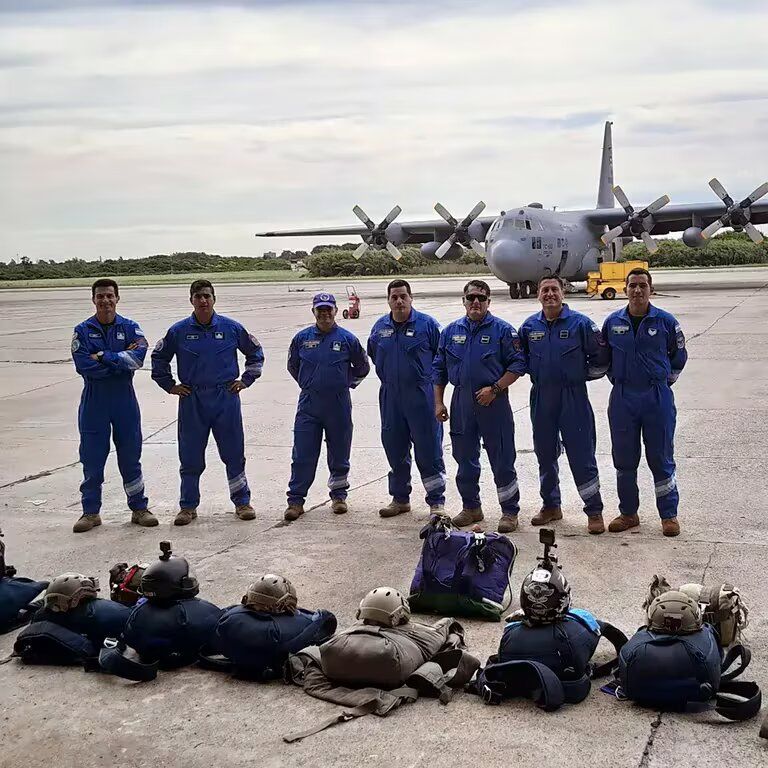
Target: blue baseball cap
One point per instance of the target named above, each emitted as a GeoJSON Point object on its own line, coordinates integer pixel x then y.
{"type": "Point", "coordinates": [323, 300]}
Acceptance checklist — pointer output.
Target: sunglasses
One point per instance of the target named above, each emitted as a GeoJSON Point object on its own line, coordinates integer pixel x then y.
{"type": "Point", "coordinates": [481, 297]}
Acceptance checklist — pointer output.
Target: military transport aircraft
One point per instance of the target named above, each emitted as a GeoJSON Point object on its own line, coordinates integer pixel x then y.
{"type": "Point", "coordinates": [525, 243]}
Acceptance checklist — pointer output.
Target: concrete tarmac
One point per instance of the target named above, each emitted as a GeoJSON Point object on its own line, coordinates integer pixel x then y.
{"type": "Point", "coordinates": [197, 718]}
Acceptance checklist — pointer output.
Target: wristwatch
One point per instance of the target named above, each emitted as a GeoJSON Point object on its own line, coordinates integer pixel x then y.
{"type": "Point", "coordinates": [99, 355]}
{"type": "Point", "coordinates": [497, 390]}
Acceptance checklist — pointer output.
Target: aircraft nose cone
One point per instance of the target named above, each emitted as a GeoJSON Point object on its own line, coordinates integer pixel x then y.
{"type": "Point", "coordinates": [507, 261]}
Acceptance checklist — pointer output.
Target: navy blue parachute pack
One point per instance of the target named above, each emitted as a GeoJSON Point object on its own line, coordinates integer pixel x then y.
{"type": "Point", "coordinates": [97, 619]}
{"type": "Point", "coordinates": [549, 663]}
{"type": "Point", "coordinates": [461, 573]}
{"type": "Point", "coordinates": [255, 644]}
{"type": "Point", "coordinates": [17, 601]}
{"type": "Point", "coordinates": [672, 672]}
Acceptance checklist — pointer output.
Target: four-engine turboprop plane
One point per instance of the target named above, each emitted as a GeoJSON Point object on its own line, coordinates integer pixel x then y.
{"type": "Point", "coordinates": [526, 243]}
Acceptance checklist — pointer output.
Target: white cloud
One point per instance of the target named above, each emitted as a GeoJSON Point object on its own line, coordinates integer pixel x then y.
{"type": "Point", "coordinates": [175, 126]}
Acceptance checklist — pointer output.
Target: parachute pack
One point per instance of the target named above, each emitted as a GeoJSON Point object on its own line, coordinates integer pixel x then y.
{"type": "Point", "coordinates": [17, 595]}
{"type": "Point", "coordinates": [461, 573]}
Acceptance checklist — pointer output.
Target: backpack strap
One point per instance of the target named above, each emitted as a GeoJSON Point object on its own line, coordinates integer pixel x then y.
{"type": "Point", "coordinates": [217, 662]}
{"type": "Point", "coordinates": [764, 728]}
{"type": "Point", "coordinates": [618, 640]}
{"type": "Point", "coordinates": [341, 717]}
{"type": "Point", "coordinates": [740, 652]}
{"type": "Point", "coordinates": [738, 700]}
{"type": "Point", "coordinates": [116, 658]}
{"type": "Point", "coordinates": [529, 679]}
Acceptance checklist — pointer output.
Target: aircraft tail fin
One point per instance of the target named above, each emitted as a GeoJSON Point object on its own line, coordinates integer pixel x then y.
{"type": "Point", "coordinates": [605, 197]}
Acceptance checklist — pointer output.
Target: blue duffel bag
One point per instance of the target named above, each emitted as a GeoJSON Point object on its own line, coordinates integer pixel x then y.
{"type": "Point", "coordinates": [462, 573]}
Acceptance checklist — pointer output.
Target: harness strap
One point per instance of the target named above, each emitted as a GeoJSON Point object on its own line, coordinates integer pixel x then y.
{"type": "Point", "coordinates": [342, 717]}
{"type": "Point", "coordinates": [740, 652]}
{"type": "Point", "coordinates": [738, 700]}
{"type": "Point", "coordinates": [530, 679]}
{"type": "Point", "coordinates": [116, 658]}
{"type": "Point", "coordinates": [618, 640]}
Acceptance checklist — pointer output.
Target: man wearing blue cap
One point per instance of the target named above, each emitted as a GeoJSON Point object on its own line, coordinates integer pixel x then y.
{"type": "Point", "coordinates": [326, 361]}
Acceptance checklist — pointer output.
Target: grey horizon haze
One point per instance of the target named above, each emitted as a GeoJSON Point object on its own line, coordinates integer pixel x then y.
{"type": "Point", "coordinates": [134, 128]}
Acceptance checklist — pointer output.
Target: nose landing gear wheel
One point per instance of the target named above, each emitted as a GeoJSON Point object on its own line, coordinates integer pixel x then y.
{"type": "Point", "coordinates": [345, 314]}
{"type": "Point", "coordinates": [527, 289]}
{"type": "Point", "coordinates": [514, 290]}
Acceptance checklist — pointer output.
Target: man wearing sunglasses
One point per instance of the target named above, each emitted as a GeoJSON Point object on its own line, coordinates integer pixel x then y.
{"type": "Point", "coordinates": [481, 355]}
{"type": "Point", "coordinates": [205, 346]}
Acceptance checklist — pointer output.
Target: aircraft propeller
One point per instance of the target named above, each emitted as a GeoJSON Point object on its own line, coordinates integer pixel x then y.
{"type": "Point", "coordinates": [377, 234]}
{"type": "Point", "coordinates": [638, 223]}
{"type": "Point", "coordinates": [736, 215]}
{"type": "Point", "coordinates": [460, 234]}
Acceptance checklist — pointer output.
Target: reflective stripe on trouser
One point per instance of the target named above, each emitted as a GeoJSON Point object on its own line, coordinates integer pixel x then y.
{"type": "Point", "coordinates": [204, 411]}
{"type": "Point", "coordinates": [109, 408]}
{"type": "Point", "coordinates": [409, 417]}
{"type": "Point", "coordinates": [318, 414]}
{"type": "Point", "coordinates": [565, 413]}
{"type": "Point", "coordinates": [493, 424]}
{"type": "Point", "coordinates": [650, 414]}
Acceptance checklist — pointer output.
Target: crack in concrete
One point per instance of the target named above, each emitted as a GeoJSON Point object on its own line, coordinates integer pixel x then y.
{"type": "Point", "coordinates": [38, 362]}
{"type": "Point", "coordinates": [725, 314]}
{"type": "Point", "coordinates": [36, 389]}
{"type": "Point", "coordinates": [646, 756]}
{"type": "Point", "coordinates": [709, 562]}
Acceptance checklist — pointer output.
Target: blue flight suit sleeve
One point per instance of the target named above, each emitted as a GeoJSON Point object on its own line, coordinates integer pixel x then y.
{"type": "Point", "coordinates": [129, 359]}
{"type": "Point", "coordinates": [433, 335]}
{"type": "Point", "coordinates": [249, 345]}
{"type": "Point", "coordinates": [598, 352]}
{"type": "Point", "coordinates": [609, 353]}
{"type": "Point", "coordinates": [162, 355]}
{"type": "Point", "coordinates": [371, 345]}
{"type": "Point", "coordinates": [512, 356]}
{"type": "Point", "coordinates": [358, 362]}
{"type": "Point", "coordinates": [439, 366]}
{"type": "Point", "coordinates": [85, 365]}
{"type": "Point", "coordinates": [523, 336]}
{"type": "Point", "coordinates": [293, 359]}
{"type": "Point", "coordinates": [678, 354]}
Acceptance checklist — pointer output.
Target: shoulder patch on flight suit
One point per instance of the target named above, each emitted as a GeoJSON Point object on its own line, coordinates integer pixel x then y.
{"type": "Point", "coordinates": [75, 342]}
{"type": "Point", "coordinates": [653, 331]}
{"type": "Point", "coordinates": [485, 339]}
{"type": "Point", "coordinates": [459, 338]}
{"type": "Point", "coordinates": [536, 335]}
{"type": "Point", "coordinates": [336, 346]}
{"type": "Point", "coordinates": [120, 335]}
{"type": "Point", "coordinates": [159, 346]}
{"type": "Point", "coordinates": [594, 327]}
{"type": "Point", "coordinates": [138, 331]}
{"type": "Point", "coordinates": [564, 334]}
{"type": "Point", "coordinates": [192, 336]}
{"type": "Point", "coordinates": [255, 341]}
{"type": "Point", "coordinates": [386, 332]}
{"type": "Point", "coordinates": [410, 332]}
{"type": "Point", "coordinates": [619, 329]}
{"type": "Point", "coordinates": [311, 344]}
{"type": "Point", "coordinates": [680, 337]}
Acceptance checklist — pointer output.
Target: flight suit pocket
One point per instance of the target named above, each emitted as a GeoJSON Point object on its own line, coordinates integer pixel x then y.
{"type": "Point", "coordinates": [572, 363]}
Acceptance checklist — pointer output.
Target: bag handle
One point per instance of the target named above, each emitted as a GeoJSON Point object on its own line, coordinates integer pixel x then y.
{"type": "Point", "coordinates": [738, 700]}
{"type": "Point", "coordinates": [740, 652]}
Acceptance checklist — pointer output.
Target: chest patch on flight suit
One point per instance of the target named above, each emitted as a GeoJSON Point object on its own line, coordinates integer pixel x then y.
{"type": "Point", "coordinates": [192, 336]}
{"type": "Point", "coordinates": [310, 344]}
{"type": "Point", "coordinates": [485, 339]}
{"type": "Point", "coordinates": [564, 334]}
{"type": "Point", "coordinates": [120, 335]}
{"type": "Point", "coordinates": [458, 339]}
{"type": "Point", "coordinates": [653, 331]}
{"type": "Point", "coordinates": [536, 335]}
{"type": "Point", "coordinates": [94, 335]}
{"type": "Point", "coordinates": [410, 332]}
{"type": "Point", "coordinates": [619, 329]}
{"type": "Point", "coordinates": [336, 346]}
{"type": "Point", "coordinates": [218, 335]}
{"type": "Point", "coordinates": [385, 333]}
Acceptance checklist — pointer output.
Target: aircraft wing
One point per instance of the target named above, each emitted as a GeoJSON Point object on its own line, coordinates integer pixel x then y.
{"type": "Point", "coordinates": [674, 218]}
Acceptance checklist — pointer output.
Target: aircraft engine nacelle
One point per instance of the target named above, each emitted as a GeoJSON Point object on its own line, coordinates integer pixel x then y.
{"type": "Point", "coordinates": [692, 237]}
{"type": "Point", "coordinates": [475, 231]}
{"type": "Point", "coordinates": [395, 234]}
{"type": "Point", "coordinates": [428, 250]}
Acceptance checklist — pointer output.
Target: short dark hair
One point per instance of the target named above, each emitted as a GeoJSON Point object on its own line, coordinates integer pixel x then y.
{"type": "Point", "coordinates": [640, 271]}
{"type": "Point", "coordinates": [481, 284]}
{"type": "Point", "coordinates": [198, 284]}
{"type": "Point", "coordinates": [553, 277]}
{"type": "Point", "coordinates": [104, 282]}
{"type": "Point", "coordinates": [399, 284]}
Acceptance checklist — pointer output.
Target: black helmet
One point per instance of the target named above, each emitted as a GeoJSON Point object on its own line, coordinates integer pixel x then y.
{"type": "Point", "coordinates": [169, 578]}
{"type": "Point", "coordinates": [545, 595]}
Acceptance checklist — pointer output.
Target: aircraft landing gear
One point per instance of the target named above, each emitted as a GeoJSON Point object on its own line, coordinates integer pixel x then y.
{"type": "Point", "coordinates": [522, 290]}
{"type": "Point", "coordinates": [514, 290]}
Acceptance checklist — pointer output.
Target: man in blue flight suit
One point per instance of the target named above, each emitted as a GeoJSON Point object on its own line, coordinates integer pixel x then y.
{"type": "Point", "coordinates": [326, 361]}
{"type": "Point", "coordinates": [481, 355]}
{"type": "Point", "coordinates": [106, 350]}
{"type": "Point", "coordinates": [564, 349]}
{"type": "Point", "coordinates": [206, 345]}
{"type": "Point", "coordinates": [647, 354]}
{"type": "Point", "coordinates": [402, 346]}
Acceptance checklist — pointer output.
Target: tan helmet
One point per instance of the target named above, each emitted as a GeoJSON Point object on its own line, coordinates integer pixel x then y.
{"type": "Point", "coordinates": [67, 591]}
{"type": "Point", "coordinates": [674, 613]}
{"type": "Point", "coordinates": [385, 606]}
{"type": "Point", "coordinates": [722, 607]}
{"type": "Point", "coordinates": [271, 593]}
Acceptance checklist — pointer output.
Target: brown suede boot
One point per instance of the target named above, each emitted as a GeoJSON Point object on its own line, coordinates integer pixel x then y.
{"type": "Point", "coordinates": [395, 508]}
{"type": "Point", "coordinates": [670, 526]}
{"type": "Point", "coordinates": [245, 512]}
{"type": "Point", "coordinates": [294, 512]}
{"type": "Point", "coordinates": [143, 517]}
{"type": "Point", "coordinates": [339, 507]}
{"type": "Point", "coordinates": [468, 516]}
{"type": "Point", "coordinates": [547, 515]}
{"type": "Point", "coordinates": [86, 522]}
{"type": "Point", "coordinates": [595, 524]}
{"type": "Point", "coordinates": [185, 517]}
{"type": "Point", "coordinates": [623, 523]}
{"type": "Point", "coordinates": [507, 524]}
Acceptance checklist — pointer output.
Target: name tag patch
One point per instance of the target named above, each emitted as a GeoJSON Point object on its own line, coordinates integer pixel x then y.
{"type": "Point", "coordinates": [94, 335]}
{"type": "Point", "coordinates": [536, 335]}
{"type": "Point", "coordinates": [410, 332]}
{"type": "Point", "coordinates": [310, 344]}
{"type": "Point", "coordinates": [459, 339]}
{"type": "Point", "coordinates": [336, 346]}
{"type": "Point", "coordinates": [485, 339]}
{"type": "Point", "coordinates": [564, 334]}
{"type": "Point", "coordinates": [218, 335]}
{"type": "Point", "coordinates": [385, 333]}
{"type": "Point", "coordinates": [619, 329]}
{"type": "Point", "coordinates": [192, 336]}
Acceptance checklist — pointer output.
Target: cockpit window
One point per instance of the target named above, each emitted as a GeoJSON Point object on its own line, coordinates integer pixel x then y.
{"type": "Point", "coordinates": [528, 224]}
{"type": "Point", "coordinates": [520, 224]}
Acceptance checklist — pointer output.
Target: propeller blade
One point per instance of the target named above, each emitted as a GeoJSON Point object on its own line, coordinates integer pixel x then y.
{"type": "Point", "coordinates": [444, 213]}
{"type": "Point", "coordinates": [476, 211]}
{"type": "Point", "coordinates": [754, 233]}
{"type": "Point", "coordinates": [657, 205]}
{"type": "Point", "coordinates": [711, 229]}
{"type": "Point", "coordinates": [360, 250]}
{"type": "Point", "coordinates": [761, 191]}
{"type": "Point", "coordinates": [650, 243]}
{"type": "Point", "coordinates": [393, 251]}
{"type": "Point", "coordinates": [363, 216]}
{"type": "Point", "coordinates": [446, 246]}
{"type": "Point", "coordinates": [622, 198]}
{"type": "Point", "coordinates": [477, 247]}
{"type": "Point", "coordinates": [718, 189]}
{"type": "Point", "coordinates": [391, 216]}
{"type": "Point", "coordinates": [612, 234]}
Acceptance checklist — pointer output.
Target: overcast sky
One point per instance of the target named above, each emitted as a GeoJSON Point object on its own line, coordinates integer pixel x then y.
{"type": "Point", "coordinates": [133, 128]}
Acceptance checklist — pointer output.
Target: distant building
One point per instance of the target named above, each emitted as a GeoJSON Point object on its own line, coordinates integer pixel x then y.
{"type": "Point", "coordinates": [270, 255]}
